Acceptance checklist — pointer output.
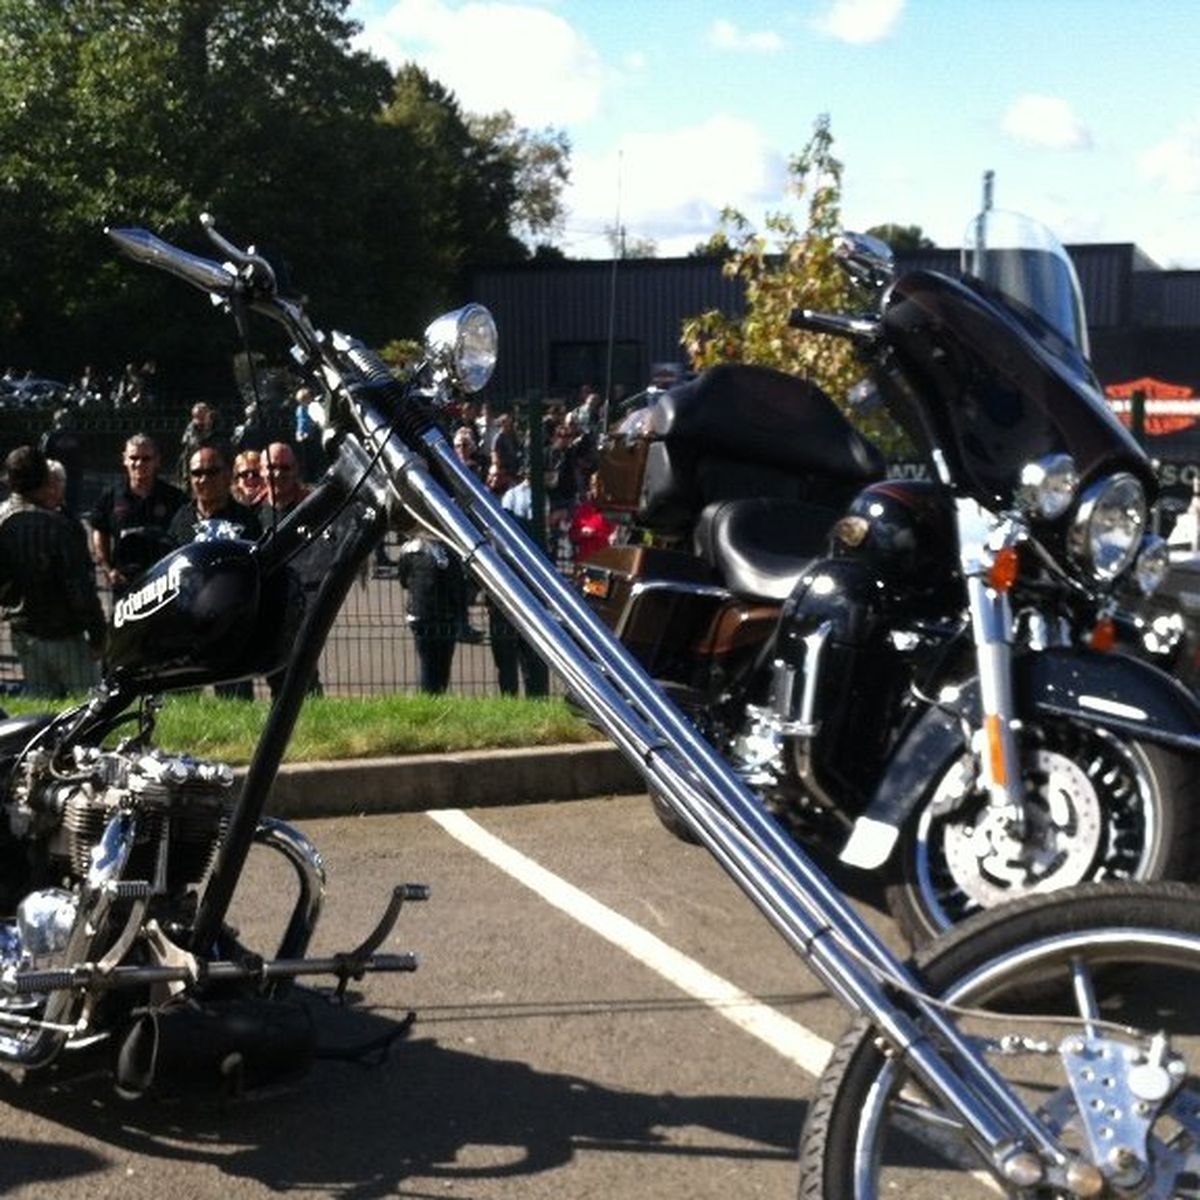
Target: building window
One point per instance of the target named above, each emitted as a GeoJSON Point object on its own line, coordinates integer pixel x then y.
{"type": "Point", "coordinates": [576, 364]}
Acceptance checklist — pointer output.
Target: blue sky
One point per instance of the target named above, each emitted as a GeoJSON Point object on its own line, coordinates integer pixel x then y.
{"type": "Point", "coordinates": [1088, 111]}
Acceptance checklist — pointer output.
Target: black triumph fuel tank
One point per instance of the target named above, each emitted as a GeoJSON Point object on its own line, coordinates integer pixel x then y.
{"type": "Point", "coordinates": [204, 614]}
{"type": "Point", "coordinates": [998, 387]}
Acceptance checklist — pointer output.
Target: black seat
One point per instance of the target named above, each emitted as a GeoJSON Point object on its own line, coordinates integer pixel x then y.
{"type": "Point", "coordinates": [763, 416]}
{"type": "Point", "coordinates": [760, 547]}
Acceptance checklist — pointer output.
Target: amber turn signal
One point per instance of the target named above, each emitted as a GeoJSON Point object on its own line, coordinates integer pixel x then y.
{"type": "Point", "coordinates": [1004, 569]}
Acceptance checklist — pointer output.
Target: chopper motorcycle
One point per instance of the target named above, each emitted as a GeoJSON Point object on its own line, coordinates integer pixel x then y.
{"type": "Point", "coordinates": [1015, 1050]}
{"type": "Point", "coordinates": [919, 676]}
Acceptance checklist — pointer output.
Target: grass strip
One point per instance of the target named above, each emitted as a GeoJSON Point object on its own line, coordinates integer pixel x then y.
{"type": "Point", "coordinates": [337, 727]}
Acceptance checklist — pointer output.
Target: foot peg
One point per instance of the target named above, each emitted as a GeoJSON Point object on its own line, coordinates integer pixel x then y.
{"type": "Point", "coordinates": [353, 964]}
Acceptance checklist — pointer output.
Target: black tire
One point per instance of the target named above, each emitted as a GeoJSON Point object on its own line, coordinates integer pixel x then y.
{"type": "Point", "coordinates": [1024, 948]}
{"type": "Point", "coordinates": [671, 821]}
{"type": "Point", "coordinates": [1139, 798]}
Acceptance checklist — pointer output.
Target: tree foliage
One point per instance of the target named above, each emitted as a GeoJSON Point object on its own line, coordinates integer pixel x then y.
{"type": "Point", "coordinates": [786, 268]}
{"type": "Point", "coordinates": [789, 266]}
{"type": "Point", "coordinates": [371, 190]}
{"type": "Point", "coordinates": [902, 237]}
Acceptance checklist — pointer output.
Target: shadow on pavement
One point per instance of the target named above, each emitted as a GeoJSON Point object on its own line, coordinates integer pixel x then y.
{"type": "Point", "coordinates": [427, 1112]}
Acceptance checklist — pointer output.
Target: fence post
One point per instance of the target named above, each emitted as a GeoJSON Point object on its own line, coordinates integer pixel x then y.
{"type": "Point", "coordinates": [537, 469]}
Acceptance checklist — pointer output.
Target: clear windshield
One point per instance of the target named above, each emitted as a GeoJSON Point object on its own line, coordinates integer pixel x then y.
{"type": "Point", "coordinates": [1024, 260]}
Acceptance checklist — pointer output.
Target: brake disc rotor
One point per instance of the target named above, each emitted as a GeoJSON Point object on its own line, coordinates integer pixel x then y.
{"type": "Point", "coordinates": [990, 863]}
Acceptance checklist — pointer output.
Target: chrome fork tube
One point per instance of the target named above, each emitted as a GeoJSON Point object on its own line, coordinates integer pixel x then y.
{"type": "Point", "coordinates": [992, 629]}
{"type": "Point", "coordinates": [770, 868]}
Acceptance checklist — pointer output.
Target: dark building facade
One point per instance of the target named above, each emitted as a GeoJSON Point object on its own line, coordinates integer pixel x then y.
{"type": "Point", "coordinates": [568, 324]}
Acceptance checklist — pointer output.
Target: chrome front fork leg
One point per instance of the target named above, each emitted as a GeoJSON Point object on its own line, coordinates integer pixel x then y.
{"type": "Point", "coordinates": [992, 628]}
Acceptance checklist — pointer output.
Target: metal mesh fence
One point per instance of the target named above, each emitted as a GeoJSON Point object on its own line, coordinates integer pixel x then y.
{"type": "Point", "coordinates": [370, 650]}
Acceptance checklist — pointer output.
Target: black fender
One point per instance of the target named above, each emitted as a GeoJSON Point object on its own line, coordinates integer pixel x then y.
{"type": "Point", "coordinates": [1124, 695]}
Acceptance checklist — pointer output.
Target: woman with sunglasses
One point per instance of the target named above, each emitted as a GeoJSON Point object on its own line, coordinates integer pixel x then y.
{"type": "Point", "coordinates": [249, 482]}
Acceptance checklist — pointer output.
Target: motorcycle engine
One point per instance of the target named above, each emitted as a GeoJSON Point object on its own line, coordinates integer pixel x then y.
{"type": "Point", "coordinates": [63, 812]}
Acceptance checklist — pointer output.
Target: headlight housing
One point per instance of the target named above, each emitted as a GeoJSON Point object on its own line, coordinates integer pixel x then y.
{"type": "Point", "coordinates": [1153, 564]}
{"type": "Point", "coordinates": [463, 345]}
{"type": "Point", "coordinates": [1107, 530]}
{"type": "Point", "coordinates": [1047, 487]}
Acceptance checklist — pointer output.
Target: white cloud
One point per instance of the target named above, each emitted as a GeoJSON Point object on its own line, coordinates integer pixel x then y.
{"type": "Point", "coordinates": [673, 185]}
{"type": "Point", "coordinates": [1046, 121]}
{"type": "Point", "coordinates": [1174, 163]}
{"type": "Point", "coordinates": [860, 21]}
{"type": "Point", "coordinates": [495, 55]}
{"type": "Point", "coordinates": [725, 35]}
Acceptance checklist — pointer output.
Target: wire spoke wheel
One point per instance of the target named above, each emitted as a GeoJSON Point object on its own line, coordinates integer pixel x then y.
{"type": "Point", "coordinates": [1076, 986]}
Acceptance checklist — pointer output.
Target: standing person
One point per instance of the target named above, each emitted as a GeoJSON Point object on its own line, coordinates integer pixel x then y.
{"type": "Point", "coordinates": [201, 428]}
{"type": "Point", "coordinates": [251, 434]}
{"type": "Point", "coordinates": [212, 511]}
{"type": "Point", "coordinates": [47, 583]}
{"type": "Point", "coordinates": [249, 485]}
{"type": "Point", "coordinates": [434, 579]}
{"type": "Point", "coordinates": [211, 514]}
{"type": "Point", "coordinates": [512, 655]}
{"type": "Point", "coordinates": [506, 445]}
{"type": "Point", "coordinates": [61, 442]}
{"type": "Point", "coordinates": [308, 436]}
{"type": "Point", "coordinates": [284, 490]}
{"type": "Point", "coordinates": [466, 446]}
{"type": "Point", "coordinates": [129, 523]}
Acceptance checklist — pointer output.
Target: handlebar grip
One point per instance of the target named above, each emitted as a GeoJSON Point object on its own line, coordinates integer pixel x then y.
{"type": "Point", "coordinates": [859, 329]}
{"type": "Point", "coordinates": [143, 246]}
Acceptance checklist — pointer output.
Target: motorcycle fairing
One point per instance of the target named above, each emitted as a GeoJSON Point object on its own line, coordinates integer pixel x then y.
{"type": "Point", "coordinates": [999, 388]}
{"type": "Point", "coordinates": [1107, 691]}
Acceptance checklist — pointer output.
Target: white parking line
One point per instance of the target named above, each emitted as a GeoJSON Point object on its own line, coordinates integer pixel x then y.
{"type": "Point", "coordinates": [785, 1036]}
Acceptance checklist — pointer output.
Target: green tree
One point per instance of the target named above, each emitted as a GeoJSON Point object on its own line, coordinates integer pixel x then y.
{"type": "Point", "coordinates": [373, 188]}
{"type": "Point", "coordinates": [789, 266]}
{"type": "Point", "coordinates": [902, 237]}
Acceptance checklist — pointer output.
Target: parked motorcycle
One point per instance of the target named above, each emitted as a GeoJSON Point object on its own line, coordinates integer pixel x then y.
{"type": "Point", "coordinates": [920, 676]}
{"type": "Point", "coordinates": [120, 861]}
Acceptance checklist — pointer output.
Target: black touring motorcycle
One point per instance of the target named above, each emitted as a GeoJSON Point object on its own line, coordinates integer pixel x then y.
{"type": "Point", "coordinates": [1043, 1048]}
{"type": "Point", "coordinates": [917, 674]}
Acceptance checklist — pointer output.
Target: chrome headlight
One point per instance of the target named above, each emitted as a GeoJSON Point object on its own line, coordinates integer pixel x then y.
{"type": "Point", "coordinates": [463, 344]}
{"type": "Point", "coordinates": [1108, 526]}
{"type": "Point", "coordinates": [1047, 487]}
{"type": "Point", "coordinates": [1153, 563]}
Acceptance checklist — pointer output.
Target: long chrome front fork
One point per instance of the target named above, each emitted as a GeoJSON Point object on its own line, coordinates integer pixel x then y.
{"type": "Point", "coordinates": [980, 537]}
{"type": "Point", "coordinates": [730, 821]}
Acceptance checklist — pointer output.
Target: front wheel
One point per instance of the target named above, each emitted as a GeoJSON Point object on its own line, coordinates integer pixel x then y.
{"type": "Point", "coordinates": [1097, 808]}
{"type": "Point", "coordinates": [1104, 968]}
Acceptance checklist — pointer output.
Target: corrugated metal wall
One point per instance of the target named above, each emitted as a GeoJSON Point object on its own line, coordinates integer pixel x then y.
{"type": "Point", "coordinates": [1167, 298]}
{"type": "Point", "coordinates": [644, 300]}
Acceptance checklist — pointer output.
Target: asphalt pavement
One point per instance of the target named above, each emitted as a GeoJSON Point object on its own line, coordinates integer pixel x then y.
{"type": "Point", "coordinates": [598, 1015]}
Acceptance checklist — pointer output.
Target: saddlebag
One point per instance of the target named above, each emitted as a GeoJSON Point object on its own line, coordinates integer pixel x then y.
{"type": "Point", "coordinates": [669, 611]}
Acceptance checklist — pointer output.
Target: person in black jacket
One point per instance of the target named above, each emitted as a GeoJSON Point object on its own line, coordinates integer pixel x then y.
{"type": "Point", "coordinates": [129, 523]}
{"type": "Point", "coordinates": [47, 583]}
{"type": "Point", "coordinates": [212, 511]}
{"type": "Point", "coordinates": [213, 514]}
{"type": "Point", "coordinates": [436, 590]}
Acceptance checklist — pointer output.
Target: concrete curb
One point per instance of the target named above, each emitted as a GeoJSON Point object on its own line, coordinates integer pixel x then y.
{"type": "Point", "coordinates": [414, 783]}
